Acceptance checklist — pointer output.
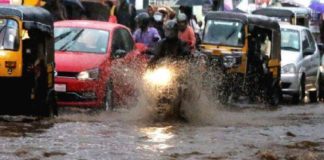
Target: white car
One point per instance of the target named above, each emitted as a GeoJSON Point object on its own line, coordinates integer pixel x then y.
{"type": "Point", "coordinates": [300, 61]}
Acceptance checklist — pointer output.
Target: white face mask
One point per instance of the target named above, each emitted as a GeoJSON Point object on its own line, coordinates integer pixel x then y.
{"type": "Point", "coordinates": [158, 17]}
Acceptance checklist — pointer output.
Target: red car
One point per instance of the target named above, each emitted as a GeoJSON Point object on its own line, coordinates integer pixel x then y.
{"type": "Point", "coordinates": [84, 54]}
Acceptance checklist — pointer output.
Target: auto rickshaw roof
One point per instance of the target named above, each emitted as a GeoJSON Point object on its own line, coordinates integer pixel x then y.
{"type": "Point", "coordinates": [283, 11]}
{"type": "Point", "coordinates": [32, 17]}
{"type": "Point", "coordinates": [258, 20]}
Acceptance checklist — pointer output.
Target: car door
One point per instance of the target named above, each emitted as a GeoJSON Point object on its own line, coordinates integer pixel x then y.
{"type": "Point", "coordinates": [122, 50]}
{"type": "Point", "coordinates": [315, 58]}
{"type": "Point", "coordinates": [306, 59]}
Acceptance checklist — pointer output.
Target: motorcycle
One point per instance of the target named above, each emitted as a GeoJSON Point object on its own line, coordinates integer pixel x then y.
{"type": "Point", "coordinates": [167, 88]}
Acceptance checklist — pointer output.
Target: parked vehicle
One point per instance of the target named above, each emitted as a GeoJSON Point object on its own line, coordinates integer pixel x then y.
{"type": "Point", "coordinates": [246, 48]}
{"type": "Point", "coordinates": [27, 60]}
{"type": "Point", "coordinates": [85, 53]}
{"type": "Point", "coordinates": [292, 15]}
{"type": "Point", "coordinates": [300, 63]}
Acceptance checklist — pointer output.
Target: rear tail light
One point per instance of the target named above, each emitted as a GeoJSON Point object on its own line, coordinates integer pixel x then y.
{"type": "Point", "coordinates": [10, 64]}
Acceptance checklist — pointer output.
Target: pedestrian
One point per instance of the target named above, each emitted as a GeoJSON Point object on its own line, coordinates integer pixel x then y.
{"type": "Point", "coordinates": [145, 34]}
{"type": "Point", "coordinates": [186, 32]}
{"type": "Point", "coordinates": [126, 13]}
{"type": "Point", "coordinates": [111, 11]}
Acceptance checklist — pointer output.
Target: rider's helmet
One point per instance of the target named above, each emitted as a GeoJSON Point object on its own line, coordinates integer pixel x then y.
{"type": "Point", "coordinates": [143, 20]}
{"type": "Point", "coordinates": [171, 29]}
{"type": "Point", "coordinates": [182, 21]}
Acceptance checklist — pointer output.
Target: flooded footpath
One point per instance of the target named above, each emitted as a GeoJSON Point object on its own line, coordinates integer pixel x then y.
{"type": "Point", "coordinates": [289, 133]}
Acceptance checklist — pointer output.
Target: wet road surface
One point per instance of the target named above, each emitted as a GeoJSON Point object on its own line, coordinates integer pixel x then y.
{"type": "Point", "coordinates": [290, 132]}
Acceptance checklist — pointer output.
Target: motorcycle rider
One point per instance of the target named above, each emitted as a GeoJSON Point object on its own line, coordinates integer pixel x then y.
{"type": "Point", "coordinates": [171, 46]}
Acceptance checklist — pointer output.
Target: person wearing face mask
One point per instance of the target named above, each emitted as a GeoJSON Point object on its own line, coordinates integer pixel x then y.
{"type": "Point", "coordinates": [171, 46]}
{"type": "Point", "coordinates": [126, 13]}
{"type": "Point", "coordinates": [145, 34]}
{"type": "Point", "coordinates": [158, 23]}
{"type": "Point", "coordinates": [186, 33]}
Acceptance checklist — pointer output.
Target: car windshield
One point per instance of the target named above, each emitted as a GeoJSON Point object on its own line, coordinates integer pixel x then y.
{"type": "Point", "coordinates": [224, 33]}
{"type": "Point", "coordinates": [290, 40]}
{"type": "Point", "coordinates": [81, 40]}
{"type": "Point", "coordinates": [9, 34]}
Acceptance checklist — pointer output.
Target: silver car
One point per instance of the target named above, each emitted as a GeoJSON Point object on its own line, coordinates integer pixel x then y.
{"type": "Point", "coordinates": [300, 63]}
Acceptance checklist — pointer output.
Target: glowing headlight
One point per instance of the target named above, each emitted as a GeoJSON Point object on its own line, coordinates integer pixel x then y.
{"type": "Point", "coordinates": [88, 75]}
{"type": "Point", "coordinates": [159, 77]}
{"type": "Point", "coordinates": [289, 68]}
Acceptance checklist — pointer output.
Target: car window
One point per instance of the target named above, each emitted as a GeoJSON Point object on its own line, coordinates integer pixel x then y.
{"type": "Point", "coordinates": [81, 40]}
{"type": "Point", "coordinates": [305, 43]}
{"type": "Point", "coordinates": [117, 42]}
{"type": "Point", "coordinates": [290, 39]}
{"type": "Point", "coordinates": [312, 43]}
{"type": "Point", "coordinates": [9, 34]}
{"type": "Point", "coordinates": [127, 40]}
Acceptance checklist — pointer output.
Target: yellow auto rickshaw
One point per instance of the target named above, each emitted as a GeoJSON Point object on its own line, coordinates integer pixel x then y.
{"type": "Point", "coordinates": [27, 61]}
{"type": "Point", "coordinates": [246, 48]}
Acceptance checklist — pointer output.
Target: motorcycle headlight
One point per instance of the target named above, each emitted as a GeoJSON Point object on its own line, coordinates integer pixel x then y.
{"type": "Point", "coordinates": [159, 77]}
{"type": "Point", "coordinates": [289, 68]}
{"type": "Point", "coordinates": [229, 61]}
{"type": "Point", "coordinates": [88, 75]}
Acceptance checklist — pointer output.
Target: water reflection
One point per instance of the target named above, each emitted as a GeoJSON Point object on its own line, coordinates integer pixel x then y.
{"type": "Point", "coordinates": [158, 138]}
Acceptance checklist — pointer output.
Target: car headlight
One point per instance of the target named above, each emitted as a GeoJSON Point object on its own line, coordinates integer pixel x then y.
{"type": "Point", "coordinates": [321, 69]}
{"type": "Point", "coordinates": [289, 68]}
{"type": "Point", "coordinates": [229, 61]}
{"type": "Point", "coordinates": [92, 74]}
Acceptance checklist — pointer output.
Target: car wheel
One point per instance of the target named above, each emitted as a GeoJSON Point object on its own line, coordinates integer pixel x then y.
{"type": "Point", "coordinates": [275, 96]}
{"type": "Point", "coordinates": [299, 97]}
{"type": "Point", "coordinates": [108, 103]}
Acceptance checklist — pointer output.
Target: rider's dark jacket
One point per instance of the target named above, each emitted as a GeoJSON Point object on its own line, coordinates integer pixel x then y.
{"type": "Point", "coordinates": [173, 49]}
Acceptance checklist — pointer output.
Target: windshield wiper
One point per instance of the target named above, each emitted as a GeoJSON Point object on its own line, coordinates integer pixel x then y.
{"type": "Point", "coordinates": [60, 37]}
{"type": "Point", "coordinates": [4, 36]}
{"type": "Point", "coordinates": [69, 44]}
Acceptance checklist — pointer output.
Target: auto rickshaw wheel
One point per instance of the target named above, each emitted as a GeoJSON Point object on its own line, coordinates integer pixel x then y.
{"type": "Point", "coordinates": [42, 102]}
{"type": "Point", "coordinates": [108, 102]}
{"type": "Point", "coordinates": [50, 108]}
{"type": "Point", "coordinates": [312, 96]}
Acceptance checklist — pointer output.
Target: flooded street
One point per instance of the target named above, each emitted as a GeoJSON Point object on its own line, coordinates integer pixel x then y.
{"type": "Point", "coordinates": [290, 132]}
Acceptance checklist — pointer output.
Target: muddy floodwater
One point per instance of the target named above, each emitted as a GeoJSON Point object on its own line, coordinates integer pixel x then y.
{"type": "Point", "coordinates": [290, 132]}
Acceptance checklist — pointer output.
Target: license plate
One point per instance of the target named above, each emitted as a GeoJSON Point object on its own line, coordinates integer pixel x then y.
{"type": "Point", "coordinates": [60, 87]}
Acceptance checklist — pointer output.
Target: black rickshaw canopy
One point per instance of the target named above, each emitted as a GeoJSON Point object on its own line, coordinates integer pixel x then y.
{"type": "Point", "coordinates": [32, 17]}
{"type": "Point", "coordinates": [254, 20]}
{"type": "Point", "coordinates": [283, 12]}
{"type": "Point", "coordinates": [258, 20]}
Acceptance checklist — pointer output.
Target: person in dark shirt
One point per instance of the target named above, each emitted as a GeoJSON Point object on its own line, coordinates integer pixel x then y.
{"type": "Point", "coordinates": [171, 46]}
{"type": "Point", "coordinates": [126, 14]}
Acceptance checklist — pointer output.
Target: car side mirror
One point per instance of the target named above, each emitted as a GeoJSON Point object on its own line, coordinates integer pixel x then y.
{"type": "Point", "coordinates": [307, 52]}
{"type": "Point", "coordinates": [119, 53]}
{"type": "Point", "coordinates": [141, 47]}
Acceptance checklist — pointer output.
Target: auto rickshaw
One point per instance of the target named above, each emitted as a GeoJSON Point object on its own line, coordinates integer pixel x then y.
{"type": "Point", "coordinates": [292, 15]}
{"type": "Point", "coordinates": [246, 50]}
{"type": "Point", "coordinates": [27, 61]}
